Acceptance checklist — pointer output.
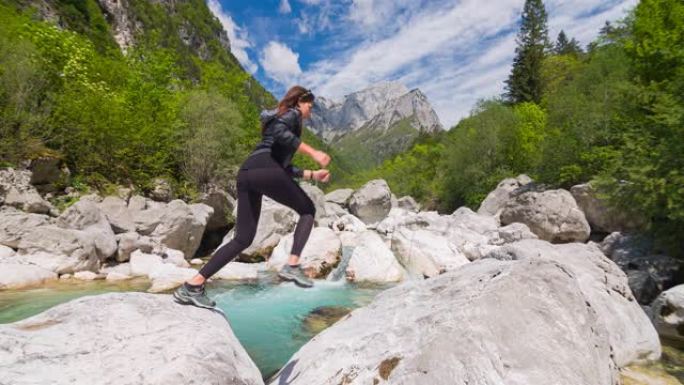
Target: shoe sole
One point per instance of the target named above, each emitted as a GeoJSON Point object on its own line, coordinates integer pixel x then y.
{"type": "Point", "coordinates": [190, 301]}
{"type": "Point", "coordinates": [290, 279]}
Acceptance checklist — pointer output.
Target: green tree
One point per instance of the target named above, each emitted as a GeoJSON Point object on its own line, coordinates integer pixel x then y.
{"type": "Point", "coordinates": [564, 46]}
{"type": "Point", "coordinates": [524, 84]}
{"type": "Point", "coordinates": [211, 137]}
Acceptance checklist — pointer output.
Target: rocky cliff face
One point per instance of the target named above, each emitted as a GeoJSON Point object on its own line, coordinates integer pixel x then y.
{"type": "Point", "coordinates": [374, 124]}
{"type": "Point", "coordinates": [376, 108]}
{"type": "Point", "coordinates": [126, 25]}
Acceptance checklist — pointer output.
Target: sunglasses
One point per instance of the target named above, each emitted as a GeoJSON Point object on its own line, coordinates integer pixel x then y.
{"type": "Point", "coordinates": [307, 95]}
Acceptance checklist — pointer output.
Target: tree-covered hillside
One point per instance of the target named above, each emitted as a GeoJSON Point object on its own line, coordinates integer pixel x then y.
{"type": "Point", "coordinates": [176, 103]}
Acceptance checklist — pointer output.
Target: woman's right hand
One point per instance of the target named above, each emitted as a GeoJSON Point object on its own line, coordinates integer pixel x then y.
{"type": "Point", "coordinates": [321, 175]}
{"type": "Point", "coordinates": [321, 158]}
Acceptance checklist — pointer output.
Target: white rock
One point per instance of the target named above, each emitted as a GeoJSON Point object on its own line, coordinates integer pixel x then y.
{"type": "Point", "coordinates": [632, 337]}
{"type": "Point", "coordinates": [510, 233]}
{"type": "Point", "coordinates": [16, 275]}
{"type": "Point", "coordinates": [121, 268]}
{"type": "Point", "coordinates": [668, 313]}
{"type": "Point", "coordinates": [239, 271]}
{"type": "Point", "coordinates": [6, 252]}
{"type": "Point", "coordinates": [494, 202]}
{"type": "Point", "coordinates": [124, 338]}
{"type": "Point", "coordinates": [114, 276]}
{"type": "Point", "coordinates": [196, 261]}
{"type": "Point", "coordinates": [137, 203]}
{"type": "Point", "coordinates": [129, 242]}
{"type": "Point", "coordinates": [60, 250]}
{"type": "Point", "coordinates": [425, 253]}
{"type": "Point", "coordinates": [487, 323]}
{"type": "Point", "coordinates": [85, 215]}
{"type": "Point", "coordinates": [175, 257]}
{"type": "Point", "coordinates": [167, 276]}
{"type": "Point", "coordinates": [348, 222]}
{"type": "Point", "coordinates": [85, 275]}
{"type": "Point", "coordinates": [373, 261]}
{"type": "Point", "coordinates": [321, 253]}
{"type": "Point", "coordinates": [118, 214]}
{"type": "Point", "coordinates": [553, 215]}
{"type": "Point", "coordinates": [371, 203]}
{"type": "Point", "coordinates": [181, 226]}
{"type": "Point", "coordinates": [15, 224]}
{"type": "Point", "coordinates": [142, 264]}
{"type": "Point", "coordinates": [339, 196]}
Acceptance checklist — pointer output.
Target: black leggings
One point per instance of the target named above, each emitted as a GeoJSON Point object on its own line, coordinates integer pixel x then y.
{"type": "Point", "coordinates": [252, 184]}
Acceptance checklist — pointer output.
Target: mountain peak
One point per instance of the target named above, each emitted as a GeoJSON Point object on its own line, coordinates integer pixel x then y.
{"type": "Point", "coordinates": [376, 107]}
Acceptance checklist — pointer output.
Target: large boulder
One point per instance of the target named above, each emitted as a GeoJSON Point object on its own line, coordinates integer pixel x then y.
{"type": "Point", "coordinates": [425, 253]}
{"type": "Point", "coordinates": [553, 215]}
{"type": "Point", "coordinates": [513, 323]}
{"type": "Point", "coordinates": [117, 213]}
{"type": "Point", "coordinates": [631, 335]}
{"type": "Point", "coordinates": [494, 202]}
{"type": "Point", "coordinates": [124, 338]}
{"type": "Point", "coordinates": [667, 313]}
{"type": "Point", "coordinates": [223, 205]}
{"type": "Point", "coordinates": [18, 275]}
{"type": "Point", "coordinates": [275, 221]}
{"type": "Point", "coordinates": [320, 254]}
{"type": "Point", "coordinates": [373, 261]}
{"type": "Point", "coordinates": [339, 196]}
{"type": "Point", "coordinates": [85, 216]}
{"type": "Point", "coordinates": [130, 242]}
{"type": "Point", "coordinates": [181, 226]}
{"type": "Point", "coordinates": [59, 250]}
{"type": "Point", "coordinates": [15, 224]}
{"type": "Point", "coordinates": [371, 203]}
{"type": "Point", "coordinates": [599, 214]}
{"type": "Point", "coordinates": [16, 191]}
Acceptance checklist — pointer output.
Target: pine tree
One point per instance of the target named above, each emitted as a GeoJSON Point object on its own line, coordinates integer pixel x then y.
{"type": "Point", "coordinates": [565, 47]}
{"type": "Point", "coordinates": [524, 84]}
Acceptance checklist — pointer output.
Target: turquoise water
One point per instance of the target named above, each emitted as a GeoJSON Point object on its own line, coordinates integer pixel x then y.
{"type": "Point", "coordinates": [266, 316]}
{"type": "Point", "coordinates": [268, 319]}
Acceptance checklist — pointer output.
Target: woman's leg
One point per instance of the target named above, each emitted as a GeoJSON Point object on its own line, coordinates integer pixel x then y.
{"type": "Point", "coordinates": [277, 185]}
{"type": "Point", "coordinates": [248, 211]}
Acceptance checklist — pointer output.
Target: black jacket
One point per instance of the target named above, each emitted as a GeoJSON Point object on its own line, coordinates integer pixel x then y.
{"type": "Point", "coordinates": [281, 136]}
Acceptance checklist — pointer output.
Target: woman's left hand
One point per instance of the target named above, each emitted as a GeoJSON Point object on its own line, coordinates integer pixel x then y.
{"type": "Point", "coordinates": [321, 175]}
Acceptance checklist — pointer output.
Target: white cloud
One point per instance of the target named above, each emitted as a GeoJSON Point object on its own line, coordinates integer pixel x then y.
{"type": "Point", "coordinates": [456, 52]}
{"type": "Point", "coordinates": [238, 36]}
{"type": "Point", "coordinates": [284, 7]}
{"type": "Point", "coordinates": [280, 63]}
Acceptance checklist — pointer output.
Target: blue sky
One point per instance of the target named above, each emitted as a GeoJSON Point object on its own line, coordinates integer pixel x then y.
{"type": "Point", "coordinates": [455, 51]}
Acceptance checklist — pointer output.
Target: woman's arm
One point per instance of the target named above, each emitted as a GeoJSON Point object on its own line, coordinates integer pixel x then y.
{"type": "Point", "coordinates": [319, 156]}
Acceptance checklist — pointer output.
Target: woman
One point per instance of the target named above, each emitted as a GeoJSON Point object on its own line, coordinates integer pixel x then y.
{"type": "Point", "coordinates": [268, 171]}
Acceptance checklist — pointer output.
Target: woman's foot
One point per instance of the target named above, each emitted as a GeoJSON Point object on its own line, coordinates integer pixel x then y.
{"type": "Point", "coordinates": [296, 274]}
{"type": "Point", "coordinates": [193, 295]}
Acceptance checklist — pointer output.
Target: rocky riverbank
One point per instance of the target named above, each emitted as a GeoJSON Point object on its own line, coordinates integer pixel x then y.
{"type": "Point", "coordinates": [528, 290]}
